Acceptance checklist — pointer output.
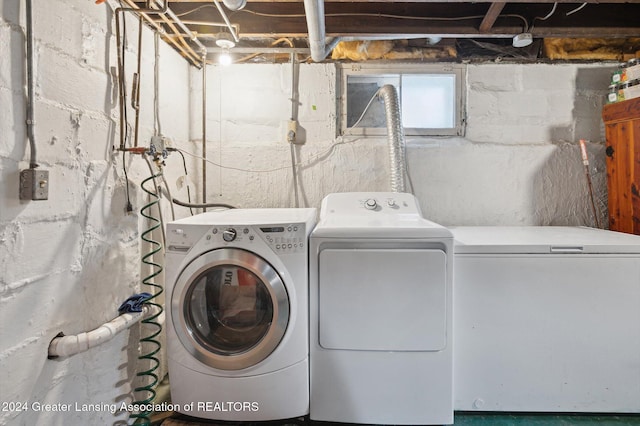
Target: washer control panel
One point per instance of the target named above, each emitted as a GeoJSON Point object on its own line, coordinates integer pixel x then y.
{"type": "Point", "coordinates": [282, 238]}
{"type": "Point", "coordinates": [290, 238]}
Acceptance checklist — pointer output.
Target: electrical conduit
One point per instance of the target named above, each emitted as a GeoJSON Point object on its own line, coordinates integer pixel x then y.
{"type": "Point", "coordinates": [33, 163]}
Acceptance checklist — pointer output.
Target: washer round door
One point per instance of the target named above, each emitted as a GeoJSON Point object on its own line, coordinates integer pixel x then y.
{"type": "Point", "coordinates": [230, 308]}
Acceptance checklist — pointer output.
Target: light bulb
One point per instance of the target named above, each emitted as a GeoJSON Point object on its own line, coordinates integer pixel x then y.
{"type": "Point", "coordinates": [224, 59]}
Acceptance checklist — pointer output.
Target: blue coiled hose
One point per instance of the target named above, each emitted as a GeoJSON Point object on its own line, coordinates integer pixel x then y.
{"type": "Point", "coordinates": [149, 345]}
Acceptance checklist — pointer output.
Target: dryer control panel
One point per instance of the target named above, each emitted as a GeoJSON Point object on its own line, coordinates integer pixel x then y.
{"type": "Point", "coordinates": [346, 203]}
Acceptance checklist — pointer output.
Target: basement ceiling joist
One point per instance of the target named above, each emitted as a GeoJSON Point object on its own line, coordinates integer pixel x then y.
{"type": "Point", "coordinates": [399, 19]}
{"type": "Point", "coordinates": [261, 22]}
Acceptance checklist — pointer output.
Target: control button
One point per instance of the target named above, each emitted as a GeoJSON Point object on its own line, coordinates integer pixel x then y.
{"type": "Point", "coordinates": [215, 231]}
{"type": "Point", "coordinates": [229, 234]}
{"type": "Point", "coordinates": [391, 202]}
{"type": "Point", "coordinates": [208, 237]}
{"type": "Point", "coordinates": [289, 246]}
{"type": "Point", "coordinates": [370, 204]}
{"type": "Point", "coordinates": [295, 228]}
{"type": "Point", "coordinates": [295, 245]}
{"type": "Point", "coordinates": [278, 246]}
{"type": "Point", "coordinates": [301, 245]}
{"type": "Point", "coordinates": [245, 231]}
{"type": "Point", "coordinates": [178, 231]}
{"type": "Point", "coordinates": [289, 229]}
{"type": "Point", "coordinates": [250, 237]}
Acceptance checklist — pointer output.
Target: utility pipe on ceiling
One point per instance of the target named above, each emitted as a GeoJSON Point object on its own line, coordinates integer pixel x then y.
{"type": "Point", "coordinates": [226, 20]}
{"type": "Point", "coordinates": [314, 12]}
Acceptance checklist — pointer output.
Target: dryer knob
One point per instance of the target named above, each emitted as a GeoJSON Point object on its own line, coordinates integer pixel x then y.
{"type": "Point", "coordinates": [229, 234]}
{"type": "Point", "coordinates": [370, 204]}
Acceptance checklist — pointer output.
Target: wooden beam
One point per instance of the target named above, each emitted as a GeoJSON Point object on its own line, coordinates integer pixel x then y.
{"type": "Point", "coordinates": [491, 16]}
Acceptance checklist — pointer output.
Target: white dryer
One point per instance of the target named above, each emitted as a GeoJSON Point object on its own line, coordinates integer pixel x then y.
{"type": "Point", "coordinates": [237, 329]}
{"type": "Point", "coordinates": [380, 312]}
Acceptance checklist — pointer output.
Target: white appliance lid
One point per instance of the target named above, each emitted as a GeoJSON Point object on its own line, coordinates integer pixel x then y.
{"type": "Point", "coordinates": [541, 240]}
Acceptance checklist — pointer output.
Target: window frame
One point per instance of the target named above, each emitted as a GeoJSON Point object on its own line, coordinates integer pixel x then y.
{"type": "Point", "coordinates": [459, 70]}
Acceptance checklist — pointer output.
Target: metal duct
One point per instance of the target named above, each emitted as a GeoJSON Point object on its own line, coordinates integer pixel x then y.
{"type": "Point", "coordinates": [314, 11]}
{"type": "Point", "coordinates": [395, 134]}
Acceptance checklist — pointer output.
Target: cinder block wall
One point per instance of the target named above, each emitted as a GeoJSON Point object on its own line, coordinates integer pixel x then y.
{"type": "Point", "coordinates": [67, 263]}
{"type": "Point", "coordinates": [518, 164]}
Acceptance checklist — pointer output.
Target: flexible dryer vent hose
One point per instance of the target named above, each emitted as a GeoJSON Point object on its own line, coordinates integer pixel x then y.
{"type": "Point", "coordinates": [395, 134]}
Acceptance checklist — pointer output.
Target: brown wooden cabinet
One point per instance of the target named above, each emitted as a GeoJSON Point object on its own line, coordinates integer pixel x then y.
{"type": "Point", "coordinates": [622, 128]}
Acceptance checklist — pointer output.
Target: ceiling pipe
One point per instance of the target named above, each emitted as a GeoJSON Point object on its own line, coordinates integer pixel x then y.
{"type": "Point", "coordinates": [226, 21]}
{"type": "Point", "coordinates": [314, 11]}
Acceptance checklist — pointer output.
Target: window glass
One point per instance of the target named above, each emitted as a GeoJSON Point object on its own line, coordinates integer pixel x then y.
{"type": "Point", "coordinates": [428, 101]}
{"type": "Point", "coordinates": [430, 98]}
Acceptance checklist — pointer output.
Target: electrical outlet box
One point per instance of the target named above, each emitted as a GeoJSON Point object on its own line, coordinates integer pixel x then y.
{"type": "Point", "coordinates": [161, 142]}
{"type": "Point", "coordinates": [34, 184]}
{"type": "Point", "coordinates": [295, 133]}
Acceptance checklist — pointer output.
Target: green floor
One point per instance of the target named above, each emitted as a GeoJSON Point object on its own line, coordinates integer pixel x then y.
{"type": "Point", "coordinates": [501, 419]}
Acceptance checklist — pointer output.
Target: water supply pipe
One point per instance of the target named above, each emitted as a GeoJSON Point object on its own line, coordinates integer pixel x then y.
{"type": "Point", "coordinates": [71, 345]}
{"type": "Point", "coordinates": [395, 134]}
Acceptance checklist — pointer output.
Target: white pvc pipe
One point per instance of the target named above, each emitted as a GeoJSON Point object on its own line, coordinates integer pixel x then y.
{"type": "Point", "coordinates": [71, 345]}
{"type": "Point", "coordinates": [314, 11]}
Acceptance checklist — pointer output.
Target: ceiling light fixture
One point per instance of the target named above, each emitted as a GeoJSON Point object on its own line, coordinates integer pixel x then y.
{"type": "Point", "coordinates": [234, 4]}
{"type": "Point", "coordinates": [522, 40]}
{"type": "Point", "coordinates": [224, 40]}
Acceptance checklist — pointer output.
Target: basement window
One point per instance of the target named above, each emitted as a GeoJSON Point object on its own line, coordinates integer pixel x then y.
{"type": "Point", "coordinates": [430, 98]}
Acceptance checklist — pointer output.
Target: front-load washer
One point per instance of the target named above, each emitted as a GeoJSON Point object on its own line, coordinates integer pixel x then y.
{"type": "Point", "coordinates": [237, 320]}
{"type": "Point", "coordinates": [380, 304]}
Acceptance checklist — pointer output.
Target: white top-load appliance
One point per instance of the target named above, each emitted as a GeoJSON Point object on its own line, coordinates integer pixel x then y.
{"type": "Point", "coordinates": [237, 313]}
{"type": "Point", "coordinates": [380, 312]}
{"type": "Point", "coordinates": [546, 319]}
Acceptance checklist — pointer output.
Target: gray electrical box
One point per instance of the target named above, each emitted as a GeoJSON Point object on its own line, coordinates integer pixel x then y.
{"type": "Point", "coordinates": [34, 184]}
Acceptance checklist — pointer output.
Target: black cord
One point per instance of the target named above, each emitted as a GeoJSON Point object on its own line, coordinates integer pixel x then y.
{"type": "Point", "coordinates": [129, 206]}
{"type": "Point", "coordinates": [200, 206]}
{"type": "Point", "coordinates": [184, 164]}
{"type": "Point", "coordinates": [122, 80]}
